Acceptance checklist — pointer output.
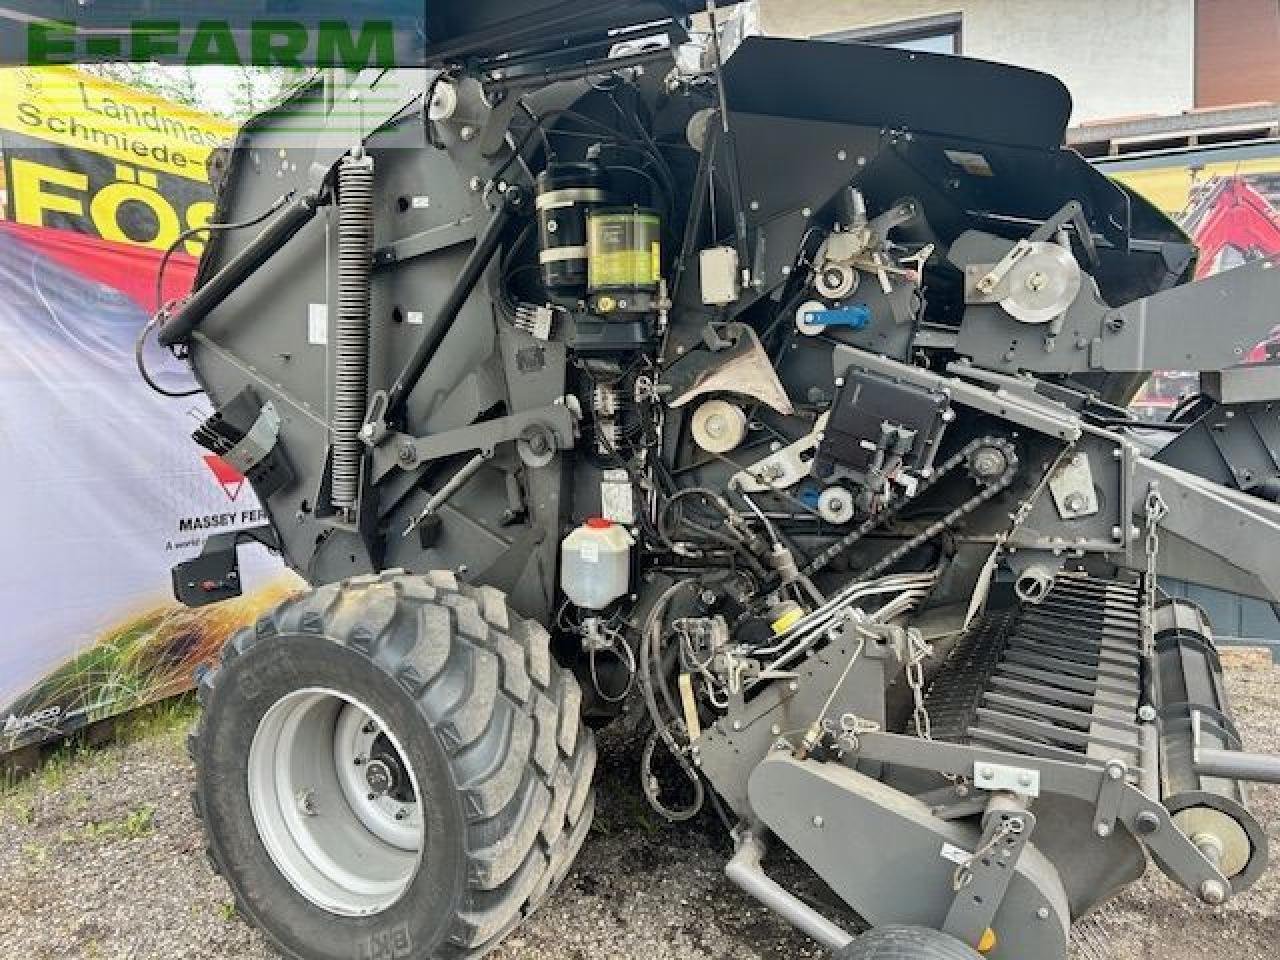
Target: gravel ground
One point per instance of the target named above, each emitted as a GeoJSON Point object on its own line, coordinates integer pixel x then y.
{"type": "Point", "coordinates": [101, 858]}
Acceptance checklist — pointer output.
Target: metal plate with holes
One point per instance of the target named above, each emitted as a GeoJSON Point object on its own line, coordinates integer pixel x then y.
{"type": "Point", "coordinates": [1072, 488]}
{"type": "Point", "coordinates": [998, 777]}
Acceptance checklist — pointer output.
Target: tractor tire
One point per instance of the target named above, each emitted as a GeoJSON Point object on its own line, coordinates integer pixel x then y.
{"type": "Point", "coordinates": [391, 768]}
{"type": "Point", "coordinates": [906, 943]}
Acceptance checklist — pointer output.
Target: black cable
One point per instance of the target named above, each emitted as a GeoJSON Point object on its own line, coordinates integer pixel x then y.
{"type": "Point", "coordinates": [158, 316]}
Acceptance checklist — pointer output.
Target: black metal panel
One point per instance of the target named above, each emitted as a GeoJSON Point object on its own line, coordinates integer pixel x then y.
{"type": "Point", "coordinates": [860, 84]}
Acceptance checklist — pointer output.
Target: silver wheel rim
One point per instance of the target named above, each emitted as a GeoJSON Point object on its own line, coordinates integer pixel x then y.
{"type": "Point", "coordinates": [336, 802]}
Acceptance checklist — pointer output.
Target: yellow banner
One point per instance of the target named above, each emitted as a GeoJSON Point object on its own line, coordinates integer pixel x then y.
{"type": "Point", "coordinates": [68, 108]}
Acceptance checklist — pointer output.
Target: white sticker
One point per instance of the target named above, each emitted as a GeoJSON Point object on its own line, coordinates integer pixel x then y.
{"type": "Point", "coordinates": [956, 855]}
{"type": "Point", "coordinates": [413, 316]}
{"type": "Point", "coordinates": [974, 164]}
{"type": "Point", "coordinates": [421, 203]}
{"type": "Point", "coordinates": [318, 324]}
{"type": "Point", "coordinates": [591, 553]}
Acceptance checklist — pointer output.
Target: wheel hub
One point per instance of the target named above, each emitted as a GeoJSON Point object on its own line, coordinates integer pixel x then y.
{"type": "Point", "coordinates": [356, 843]}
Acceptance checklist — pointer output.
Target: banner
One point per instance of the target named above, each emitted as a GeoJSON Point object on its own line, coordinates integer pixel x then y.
{"type": "Point", "coordinates": [90, 155]}
{"type": "Point", "coordinates": [104, 489]}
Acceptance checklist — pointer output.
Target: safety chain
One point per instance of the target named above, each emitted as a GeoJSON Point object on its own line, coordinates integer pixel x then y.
{"type": "Point", "coordinates": [917, 652]}
{"type": "Point", "coordinates": [1156, 509]}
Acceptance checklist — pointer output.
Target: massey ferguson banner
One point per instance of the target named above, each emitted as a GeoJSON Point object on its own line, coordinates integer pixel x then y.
{"type": "Point", "coordinates": [104, 490]}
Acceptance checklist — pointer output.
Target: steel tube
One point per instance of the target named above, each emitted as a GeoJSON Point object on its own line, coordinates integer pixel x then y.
{"type": "Point", "coordinates": [745, 872]}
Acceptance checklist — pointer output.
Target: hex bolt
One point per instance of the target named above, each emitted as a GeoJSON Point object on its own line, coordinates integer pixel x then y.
{"type": "Point", "coordinates": [468, 132]}
{"type": "Point", "coordinates": [737, 724]}
{"type": "Point", "coordinates": [1146, 822]}
{"type": "Point", "coordinates": [793, 686]}
{"type": "Point", "coordinates": [1103, 830]}
{"type": "Point", "coordinates": [817, 822]}
{"type": "Point", "coordinates": [1043, 913]}
{"type": "Point", "coordinates": [775, 730]}
{"type": "Point", "coordinates": [1115, 771]}
{"type": "Point", "coordinates": [407, 453]}
{"type": "Point", "coordinates": [1213, 892]}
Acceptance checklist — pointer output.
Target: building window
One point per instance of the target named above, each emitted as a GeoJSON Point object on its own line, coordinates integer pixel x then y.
{"type": "Point", "coordinates": [929, 34]}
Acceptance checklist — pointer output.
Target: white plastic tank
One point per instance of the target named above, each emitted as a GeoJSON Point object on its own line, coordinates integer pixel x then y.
{"type": "Point", "coordinates": [595, 564]}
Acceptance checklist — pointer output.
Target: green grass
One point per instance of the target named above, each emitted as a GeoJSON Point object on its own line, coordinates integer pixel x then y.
{"type": "Point", "coordinates": [137, 823]}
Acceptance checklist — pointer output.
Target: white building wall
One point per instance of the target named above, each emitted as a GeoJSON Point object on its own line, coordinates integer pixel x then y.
{"type": "Point", "coordinates": [1119, 58]}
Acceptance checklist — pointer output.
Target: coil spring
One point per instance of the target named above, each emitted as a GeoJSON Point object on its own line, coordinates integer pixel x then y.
{"type": "Point", "coordinates": [351, 345]}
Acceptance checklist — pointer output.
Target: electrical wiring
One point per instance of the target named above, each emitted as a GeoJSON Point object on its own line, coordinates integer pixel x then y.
{"type": "Point", "coordinates": [159, 316]}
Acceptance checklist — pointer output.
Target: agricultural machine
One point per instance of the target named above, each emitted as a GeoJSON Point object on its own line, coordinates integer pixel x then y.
{"type": "Point", "coordinates": [773, 403]}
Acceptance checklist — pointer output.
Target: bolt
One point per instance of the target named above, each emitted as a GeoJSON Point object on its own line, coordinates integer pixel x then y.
{"type": "Point", "coordinates": [468, 132]}
{"type": "Point", "coordinates": [817, 822]}
{"type": "Point", "coordinates": [475, 184]}
{"type": "Point", "coordinates": [307, 803]}
{"type": "Point", "coordinates": [1213, 892]}
{"type": "Point", "coordinates": [366, 430]}
{"type": "Point", "coordinates": [1103, 830]}
{"type": "Point", "coordinates": [985, 773]}
{"type": "Point", "coordinates": [407, 453]}
{"type": "Point", "coordinates": [1024, 779]}
{"type": "Point", "coordinates": [402, 814]}
{"type": "Point", "coordinates": [737, 724]}
{"type": "Point", "coordinates": [775, 730]}
{"type": "Point", "coordinates": [793, 686]}
{"type": "Point", "coordinates": [1043, 913]}
{"type": "Point", "coordinates": [1115, 771]}
{"type": "Point", "coordinates": [1147, 822]}
{"type": "Point", "coordinates": [1146, 713]}
{"type": "Point", "coordinates": [1115, 322]}
{"type": "Point", "coordinates": [842, 155]}
{"type": "Point", "coordinates": [1037, 282]}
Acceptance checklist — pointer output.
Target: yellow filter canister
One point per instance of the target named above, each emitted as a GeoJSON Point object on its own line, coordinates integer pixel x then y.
{"type": "Point", "coordinates": [624, 250]}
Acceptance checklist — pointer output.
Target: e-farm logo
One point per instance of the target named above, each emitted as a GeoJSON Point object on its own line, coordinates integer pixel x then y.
{"type": "Point", "coordinates": [282, 43]}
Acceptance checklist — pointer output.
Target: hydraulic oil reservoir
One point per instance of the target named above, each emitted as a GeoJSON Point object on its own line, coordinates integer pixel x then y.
{"type": "Point", "coordinates": [595, 564]}
{"type": "Point", "coordinates": [624, 258]}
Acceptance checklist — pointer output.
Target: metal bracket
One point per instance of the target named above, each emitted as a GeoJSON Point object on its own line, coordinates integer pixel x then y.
{"type": "Point", "coordinates": [1110, 798]}
{"type": "Point", "coordinates": [982, 879]}
{"type": "Point", "coordinates": [258, 442]}
{"type": "Point", "coordinates": [552, 426]}
{"type": "Point", "coordinates": [997, 777]}
{"type": "Point", "coordinates": [1072, 488]}
{"type": "Point", "coordinates": [784, 468]}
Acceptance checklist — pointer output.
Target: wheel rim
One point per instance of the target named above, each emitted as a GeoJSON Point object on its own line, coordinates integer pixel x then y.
{"type": "Point", "coordinates": [336, 802]}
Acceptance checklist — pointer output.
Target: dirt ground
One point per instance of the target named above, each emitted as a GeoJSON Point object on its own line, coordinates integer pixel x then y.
{"type": "Point", "coordinates": [101, 858]}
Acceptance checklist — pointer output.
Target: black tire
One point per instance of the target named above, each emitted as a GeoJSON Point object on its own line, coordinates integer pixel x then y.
{"type": "Point", "coordinates": [906, 943]}
{"type": "Point", "coordinates": [487, 720]}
